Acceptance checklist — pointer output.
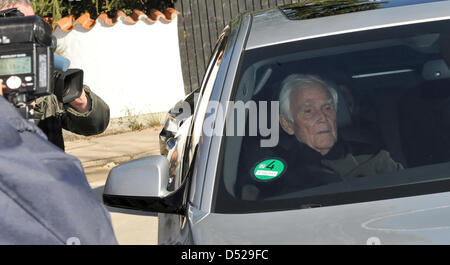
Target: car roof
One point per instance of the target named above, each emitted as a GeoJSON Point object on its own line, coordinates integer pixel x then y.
{"type": "Point", "coordinates": [272, 26]}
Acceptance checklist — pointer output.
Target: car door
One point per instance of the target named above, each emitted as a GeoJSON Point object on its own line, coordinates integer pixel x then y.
{"type": "Point", "coordinates": [174, 229]}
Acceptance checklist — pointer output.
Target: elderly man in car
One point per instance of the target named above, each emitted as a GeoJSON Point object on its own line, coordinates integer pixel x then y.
{"type": "Point", "coordinates": [312, 151]}
{"type": "Point", "coordinates": [308, 112]}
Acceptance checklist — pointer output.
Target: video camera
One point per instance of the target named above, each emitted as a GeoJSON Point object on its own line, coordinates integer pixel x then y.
{"type": "Point", "coordinates": [29, 68]}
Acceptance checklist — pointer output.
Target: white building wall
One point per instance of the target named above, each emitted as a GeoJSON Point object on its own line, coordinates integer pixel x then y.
{"type": "Point", "coordinates": [136, 68]}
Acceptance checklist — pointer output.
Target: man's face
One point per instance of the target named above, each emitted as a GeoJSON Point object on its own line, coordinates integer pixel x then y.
{"type": "Point", "coordinates": [314, 118]}
{"type": "Point", "coordinates": [25, 9]}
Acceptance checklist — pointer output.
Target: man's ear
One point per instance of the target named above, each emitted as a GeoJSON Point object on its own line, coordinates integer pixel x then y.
{"type": "Point", "coordinates": [287, 125]}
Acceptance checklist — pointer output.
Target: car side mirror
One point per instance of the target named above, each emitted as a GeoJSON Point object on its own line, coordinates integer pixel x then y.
{"type": "Point", "coordinates": [141, 184]}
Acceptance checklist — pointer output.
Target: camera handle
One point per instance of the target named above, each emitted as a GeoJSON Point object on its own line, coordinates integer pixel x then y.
{"type": "Point", "coordinates": [23, 107]}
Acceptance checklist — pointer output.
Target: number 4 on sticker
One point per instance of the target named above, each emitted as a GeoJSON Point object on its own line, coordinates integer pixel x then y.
{"type": "Point", "coordinates": [269, 169]}
{"type": "Point", "coordinates": [271, 165]}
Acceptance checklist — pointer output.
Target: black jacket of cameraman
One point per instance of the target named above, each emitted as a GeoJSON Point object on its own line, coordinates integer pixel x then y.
{"type": "Point", "coordinates": [52, 116]}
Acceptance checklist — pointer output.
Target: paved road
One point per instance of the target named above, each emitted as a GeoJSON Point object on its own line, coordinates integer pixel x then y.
{"type": "Point", "coordinates": [98, 155]}
{"type": "Point", "coordinates": [131, 227]}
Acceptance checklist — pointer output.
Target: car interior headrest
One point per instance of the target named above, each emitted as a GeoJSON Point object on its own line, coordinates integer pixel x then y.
{"type": "Point", "coordinates": [343, 112]}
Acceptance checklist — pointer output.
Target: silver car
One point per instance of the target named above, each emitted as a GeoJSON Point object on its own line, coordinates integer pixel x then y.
{"type": "Point", "coordinates": [240, 171]}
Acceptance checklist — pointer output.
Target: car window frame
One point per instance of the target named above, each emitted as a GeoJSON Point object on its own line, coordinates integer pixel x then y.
{"type": "Point", "coordinates": [205, 92]}
{"type": "Point", "coordinates": [223, 202]}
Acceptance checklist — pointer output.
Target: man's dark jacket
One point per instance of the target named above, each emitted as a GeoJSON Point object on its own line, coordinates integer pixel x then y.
{"type": "Point", "coordinates": [44, 195]}
{"type": "Point", "coordinates": [52, 116]}
{"type": "Point", "coordinates": [307, 168]}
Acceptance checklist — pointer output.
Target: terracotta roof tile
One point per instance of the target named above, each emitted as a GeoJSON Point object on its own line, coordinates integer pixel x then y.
{"type": "Point", "coordinates": [86, 22]}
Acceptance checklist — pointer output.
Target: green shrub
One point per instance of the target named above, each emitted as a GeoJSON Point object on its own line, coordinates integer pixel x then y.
{"type": "Point", "coordinates": [57, 9]}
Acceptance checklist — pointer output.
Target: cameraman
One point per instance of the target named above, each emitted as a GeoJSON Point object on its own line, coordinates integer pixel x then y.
{"type": "Point", "coordinates": [86, 115]}
{"type": "Point", "coordinates": [44, 196]}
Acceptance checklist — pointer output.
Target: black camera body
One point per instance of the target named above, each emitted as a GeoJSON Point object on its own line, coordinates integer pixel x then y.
{"type": "Point", "coordinates": [28, 65]}
{"type": "Point", "coordinates": [26, 57]}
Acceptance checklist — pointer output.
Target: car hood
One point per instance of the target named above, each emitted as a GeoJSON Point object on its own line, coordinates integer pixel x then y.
{"type": "Point", "coordinates": [398, 221]}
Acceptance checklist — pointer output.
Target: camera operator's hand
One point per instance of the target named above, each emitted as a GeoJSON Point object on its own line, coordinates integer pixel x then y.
{"type": "Point", "coordinates": [81, 104]}
{"type": "Point", "coordinates": [1, 87]}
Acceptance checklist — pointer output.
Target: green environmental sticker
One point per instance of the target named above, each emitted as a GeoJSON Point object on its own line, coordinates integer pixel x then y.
{"type": "Point", "coordinates": [269, 169]}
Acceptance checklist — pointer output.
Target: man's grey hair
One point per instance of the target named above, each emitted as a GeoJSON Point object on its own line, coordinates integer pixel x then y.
{"type": "Point", "coordinates": [299, 81]}
{"type": "Point", "coordinates": [10, 3]}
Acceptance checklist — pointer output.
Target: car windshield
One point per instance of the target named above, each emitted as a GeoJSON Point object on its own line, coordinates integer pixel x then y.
{"type": "Point", "coordinates": [340, 119]}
